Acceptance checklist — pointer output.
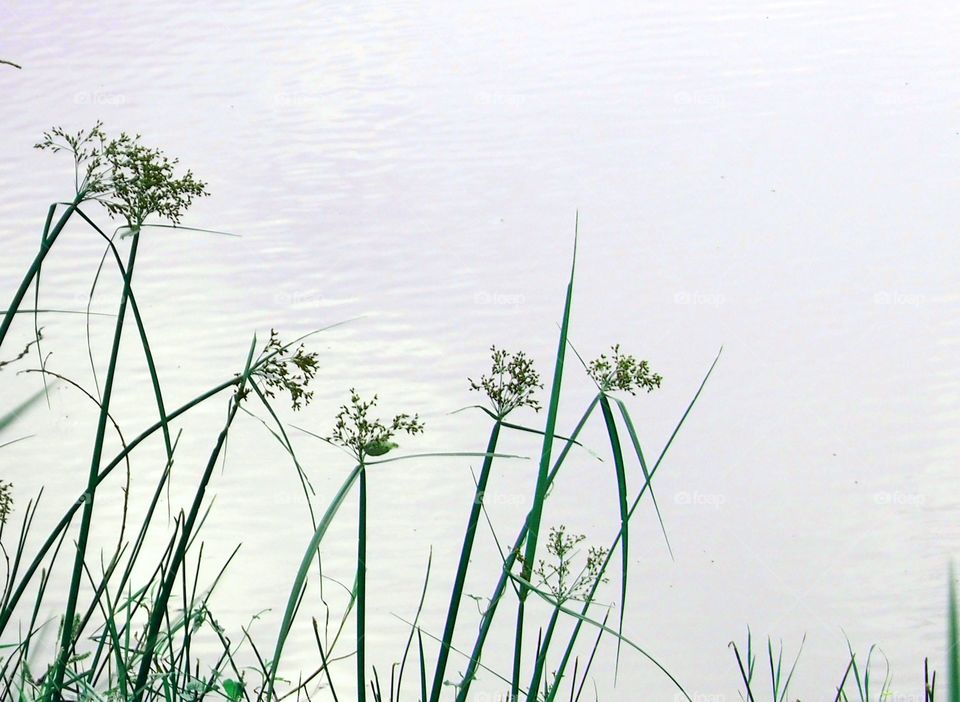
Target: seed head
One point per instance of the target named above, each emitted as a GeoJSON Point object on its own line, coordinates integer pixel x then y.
{"type": "Point", "coordinates": [6, 501]}
{"type": "Point", "coordinates": [622, 372]}
{"type": "Point", "coordinates": [358, 433]}
{"type": "Point", "coordinates": [133, 182]}
{"type": "Point", "coordinates": [557, 577]}
{"type": "Point", "coordinates": [511, 384]}
{"type": "Point", "coordinates": [287, 372]}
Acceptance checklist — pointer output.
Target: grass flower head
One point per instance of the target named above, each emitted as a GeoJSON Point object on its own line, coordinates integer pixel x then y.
{"type": "Point", "coordinates": [290, 373]}
{"type": "Point", "coordinates": [6, 501]}
{"type": "Point", "coordinates": [622, 372]}
{"type": "Point", "coordinates": [511, 384]}
{"type": "Point", "coordinates": [558, 576]}
{"type": "Point", "coordinates": [362, 436]}
{"type": "Point", "coordinates": [132, 181]}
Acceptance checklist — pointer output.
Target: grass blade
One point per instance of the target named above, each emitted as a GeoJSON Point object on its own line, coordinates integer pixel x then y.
{"type": "Point", "coordinates": [66, 643]}
{"type": "Point", "coordinates": [953, 644]}
{"type": "Point", "coordinates": [456, 593]}
{"type": "Point", "coordinates": [300, 580]}
{"type": "Point", "coordinates": [624, 513]}
{"type": "Point", "coordinates": [540, 492]}
{"type": "Point", "coordinates": [45, 247]}
{"type": "Point", "coordinates": [643, 466]}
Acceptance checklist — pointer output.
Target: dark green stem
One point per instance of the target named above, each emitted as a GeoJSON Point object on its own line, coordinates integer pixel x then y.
{"type": "Point", "coordinates": [488, 614]}
{"type": "Point", "coordinates": [621, 473]}
{"type": "Point", "coordinates": [468, 538]}
{"type": "Point", "coordinates": [45, 246]}
{"type": "Point", "coordinates": [362, 587]}
{"type": "Point", "coordinates": [66, 642]}
{"type": "Point", "coordinates": [517, 651]}
{"type": "Point", "coordinates": [532, 694]}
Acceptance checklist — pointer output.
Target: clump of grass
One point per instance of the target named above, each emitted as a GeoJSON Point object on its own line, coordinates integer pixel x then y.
{"type": "Point", "coordinates": [780, 677]}
{"type": "Point", "coordinates": [135, 641]}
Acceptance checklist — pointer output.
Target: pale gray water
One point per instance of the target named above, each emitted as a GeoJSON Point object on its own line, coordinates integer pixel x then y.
{"type": "Point", "coordinates": [777, 178]}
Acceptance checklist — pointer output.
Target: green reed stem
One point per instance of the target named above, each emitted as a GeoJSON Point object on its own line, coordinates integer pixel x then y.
{"type": "Point", "coordinates": [66, 643]}
{"type": "Point", "coordinates": [532, 693]}
{"type": "Point", "coordinates": [456, 594]}
{"type": "Point", "coordinates": [49, 236]}
{"type": "Point", "coordinates": [621, 472]}
{"type": "Point", "coordinates": [517, 649]}
{"type": "Point", "coordinates": [487, 618]}
{"type": "Point", "coordinates": [540, 492]}
{"type": "Point", "coordinates": [362, 587]}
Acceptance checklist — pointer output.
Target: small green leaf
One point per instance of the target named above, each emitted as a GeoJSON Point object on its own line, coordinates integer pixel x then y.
{"type": "Point", "coordinates": [378, 448]}
{"type": "Point", "coordinates": [233, 689]}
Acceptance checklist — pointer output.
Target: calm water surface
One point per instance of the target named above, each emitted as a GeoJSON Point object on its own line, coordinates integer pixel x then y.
{"type": "Point", "coordinates": [777, 178]}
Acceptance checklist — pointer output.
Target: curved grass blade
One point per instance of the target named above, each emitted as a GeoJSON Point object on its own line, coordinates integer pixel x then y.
{"type": "Point", "coordinates": [299, 582]}
{"type": "Point", "coordinates": [743, 673]}
{"type": "Point", "coordinates": [413, 628]}
{"type": "Point", "coordinates": [621, 475]}
{"type": "Point", "coordinates": [643, 465]}
{"type": "Point", "coordinates": [191, 229]}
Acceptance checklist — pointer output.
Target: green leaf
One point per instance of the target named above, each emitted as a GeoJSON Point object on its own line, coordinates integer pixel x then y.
{"type": "Point", "coordinates": [233, 689]}
{"type": "Point", "coordinates": [378, 448]}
